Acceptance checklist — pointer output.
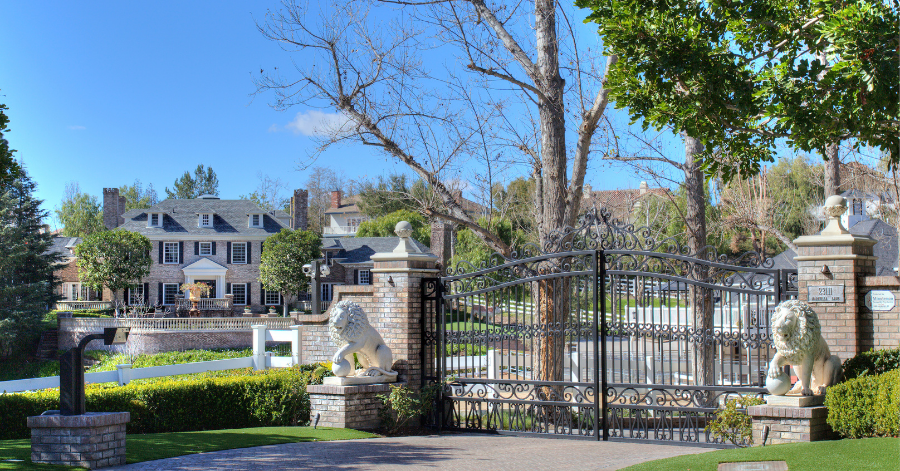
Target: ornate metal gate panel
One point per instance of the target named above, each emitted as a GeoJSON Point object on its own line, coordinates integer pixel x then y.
{"type": "Point", "coordinates": [515, 345]}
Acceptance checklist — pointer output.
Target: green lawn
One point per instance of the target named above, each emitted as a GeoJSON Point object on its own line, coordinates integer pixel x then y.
{"type": "Point", "coordinates": [157, 446]}
{"type": "Point", "coordinates": [838, 455]}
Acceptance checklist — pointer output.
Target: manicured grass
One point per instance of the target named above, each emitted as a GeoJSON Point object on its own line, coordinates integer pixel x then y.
{"type": "Point", "coordinates": [838, 455]}
{"type": "Point", "coordinates": [156, 446]}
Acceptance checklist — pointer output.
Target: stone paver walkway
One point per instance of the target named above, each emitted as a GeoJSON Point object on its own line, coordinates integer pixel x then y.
{"type": "Point", "coordinates": [459, 452]}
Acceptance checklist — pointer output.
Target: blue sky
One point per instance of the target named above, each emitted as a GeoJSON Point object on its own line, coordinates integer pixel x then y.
{"type": "Point", "coordinates": [103, 93]}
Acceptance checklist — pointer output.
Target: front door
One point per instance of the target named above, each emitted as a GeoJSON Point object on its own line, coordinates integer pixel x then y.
{"type": "Point", "coordinates": [212, 288]}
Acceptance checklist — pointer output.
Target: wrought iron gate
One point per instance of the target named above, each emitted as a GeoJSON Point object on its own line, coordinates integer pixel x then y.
{"type": "Point", "coordinates": [524, 344]}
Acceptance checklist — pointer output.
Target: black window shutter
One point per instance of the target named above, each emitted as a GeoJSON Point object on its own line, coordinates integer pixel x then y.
{"type": "Point", "coordinates": [159, 299]}
{"type": "Point", "coordinates": [248, 251]}
{"type": "Point", "coordinates": [356, 276]}
{"type": "Point", "coordinates": [262, 295]}
{"type": "Point", "coordinates": [227, 288]}
{"type": "Point", "coordinates": [214, 244]}
{"type": "Point", "coordinates": [147, 293]}
{"type": "Point", "coordinates": [181, 252]}
{"type": "Point", "coordinates": [160, 251]}
{"type": "Point", "coordinates": [196, 248]}
{"type": "Point", "coordinates": [249, 293]}
{"type": "Point", "coordinates": [228, 255]}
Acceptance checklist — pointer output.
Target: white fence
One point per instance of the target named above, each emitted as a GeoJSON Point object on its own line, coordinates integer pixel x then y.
{"type": "Point", "coordinates": [207, 304]}
{"type": "Point", "coordinates": [82, 305]}
{"type": "Point", "coordinates": [259, 360]}
{"type": "Point", "coordinates": [196, 324]}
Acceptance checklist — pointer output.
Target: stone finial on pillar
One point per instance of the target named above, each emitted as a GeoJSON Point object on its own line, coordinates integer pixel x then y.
{"type": "Point", "coordinates": [404, 230]}
{"type": "Point", "coordinates": [835, 206]}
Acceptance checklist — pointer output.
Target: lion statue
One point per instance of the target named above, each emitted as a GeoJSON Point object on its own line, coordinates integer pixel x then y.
{"type": "Point", "coordinates": [799, 343]}
{"type": "Point", "coordinates": [351, 330]}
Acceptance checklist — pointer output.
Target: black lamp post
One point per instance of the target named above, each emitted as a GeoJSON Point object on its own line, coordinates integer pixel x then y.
{"type": "Point", "coordinates": [71, 370]}
{"type": "Point", "coordinates": [315, 272]}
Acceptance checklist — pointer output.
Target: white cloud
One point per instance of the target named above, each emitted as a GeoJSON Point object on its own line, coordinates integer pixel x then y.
{"type": "Point", "coordinates": [316, 123]}
{"type": "Point", "coordinates": [77, 128]}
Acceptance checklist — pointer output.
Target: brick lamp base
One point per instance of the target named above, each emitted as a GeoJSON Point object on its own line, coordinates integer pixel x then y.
{"type": "Point", "coordinates": [353, 407]}
{"type": "Point", "coordinates": [93, 440]}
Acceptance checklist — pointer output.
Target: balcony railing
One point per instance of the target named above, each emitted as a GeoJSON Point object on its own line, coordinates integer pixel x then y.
{"type": "Point", "coordinates": [82, 305]}
{"type": "Point", "coordinates": [307, 305]}
{"type": "Point", "coordinates": [199, 324]}
{"type": "Point", "coordinates": [207, 304]}
{"type": "Point", "coordinates": [339, 230]}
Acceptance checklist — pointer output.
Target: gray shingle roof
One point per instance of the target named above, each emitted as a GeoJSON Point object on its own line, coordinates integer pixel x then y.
{"type": "Point", "coordinates": [60, 245]}
{"type": "Point", "coordinates": [886, 247]}
{"type": "Point", "coordinates": [180, 218]}
{"type": "Point", "coordinates": [361, 249]}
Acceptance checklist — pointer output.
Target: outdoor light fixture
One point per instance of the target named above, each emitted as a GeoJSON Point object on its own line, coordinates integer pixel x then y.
{"type": "Point", "coordinates": [71, 370]}
{"type": "Point", "coordinates": [315, 272]}
{"type": "Point", "coordinates": [825, 270]}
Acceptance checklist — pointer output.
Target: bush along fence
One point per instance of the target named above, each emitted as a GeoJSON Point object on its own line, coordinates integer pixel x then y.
{"type": "Point", "coordinates": [245, 399]}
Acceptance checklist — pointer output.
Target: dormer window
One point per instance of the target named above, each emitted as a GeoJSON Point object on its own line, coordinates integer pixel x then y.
{"type": "Point", "coordinates": [256, 220]}
{"type": "Point", "coordinates": [154, 220]}
{"type": "Point", "coordinates": [205, 220]}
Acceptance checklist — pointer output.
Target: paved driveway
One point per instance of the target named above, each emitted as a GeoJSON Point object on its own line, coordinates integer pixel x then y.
{"type": "Point", "coordinates": [459, 452]}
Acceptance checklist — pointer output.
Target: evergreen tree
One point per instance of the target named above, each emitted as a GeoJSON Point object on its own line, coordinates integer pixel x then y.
{"type": "Point", "coordinates": [26, 267]}
{"type": "Point", "coordinates": [384, 226]}
{"type": "Point", "coordinates": [203, 182]}
{"type": "Point", "coordinates": [9, 169]}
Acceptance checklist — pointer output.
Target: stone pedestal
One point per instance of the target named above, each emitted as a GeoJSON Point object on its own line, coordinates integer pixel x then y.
{"type": "Point", "coordinates": [93, 440]}
{"type": "Point", "coordinates": [789, 424]}
{"type": "Point", "coordinates": [353, 406]}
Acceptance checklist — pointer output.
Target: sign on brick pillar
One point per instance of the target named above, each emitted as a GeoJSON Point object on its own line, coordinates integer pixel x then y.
{"type": "Point", "coordinates": [829, 268]}
{"type": "Point", "coordinates": [397, 278]}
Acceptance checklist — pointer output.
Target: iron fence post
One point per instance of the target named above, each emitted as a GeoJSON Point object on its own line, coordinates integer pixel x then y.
{"type": "Point", "coordinates": [600, 377]}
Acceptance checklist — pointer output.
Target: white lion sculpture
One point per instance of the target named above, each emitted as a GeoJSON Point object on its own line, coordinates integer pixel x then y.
{"type": "Point", "coordinates": [350, 330]}
{"type": "Point", "coordinates": [798, 341]}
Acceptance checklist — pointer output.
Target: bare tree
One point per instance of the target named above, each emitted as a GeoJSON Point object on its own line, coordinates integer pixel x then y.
{"type": "Point", "coordinates": [749, 204]}
{"type": "Point", "coordinates": [270, 193]}
{"type": "Point", "coordinates": [321, 182]}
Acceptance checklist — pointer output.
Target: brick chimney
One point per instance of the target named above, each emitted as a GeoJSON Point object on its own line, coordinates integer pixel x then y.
{"type": "Point", "coordinates": [113, 208]}
{"type": "Point", "coordinates": [299, 207]}
{"type": "Point", "coordinates": [441, 240]}
{"type": "Point", "coordinates": [336, 199]}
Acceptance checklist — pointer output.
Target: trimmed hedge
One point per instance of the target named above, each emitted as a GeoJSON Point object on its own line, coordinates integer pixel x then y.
{"type": "Point", "coordinates": [248, 399]}
{"type": "Point", "coordinates": [873, 362]}
{"type": "Point", "coordinates": [867, 406]}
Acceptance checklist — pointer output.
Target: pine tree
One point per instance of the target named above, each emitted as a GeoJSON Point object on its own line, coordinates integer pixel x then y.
{"type": "Point", "coordinates": [203, 182]}
{"type": "Point", "coordinates": [27, 284]}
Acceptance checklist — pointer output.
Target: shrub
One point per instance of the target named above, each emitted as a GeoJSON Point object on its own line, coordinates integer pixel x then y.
{"type": "Point", "coordinates": [733, 424]}
{"type": "Point", "coordinates": [873, 362]}
{"type": "Point", "coordinates": [867, 406]}
{"type": "Point", "coordinates": [401, 405]}
{"type": "Point", "coordinates": [251, 399]}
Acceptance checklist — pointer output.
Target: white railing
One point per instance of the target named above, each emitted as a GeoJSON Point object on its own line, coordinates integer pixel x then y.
{"type": "Point", "coordinates": [82, 305]}
{"type": "Point", "coordinates": [342, 230]}
{"type": "Point", "coordinates": [175, 324]}
{"type": "Point", "coordinates": [207, 304]}
{"type": "Point", "coordinates": [307, 305]}
{"type": "Point", "coordinates": [260, 360]}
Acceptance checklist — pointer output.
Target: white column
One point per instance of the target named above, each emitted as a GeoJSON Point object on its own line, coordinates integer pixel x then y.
{"type": "Point", "coordinates": [296, 338]}
{"type": "Point", "coordinates": [259, 347]}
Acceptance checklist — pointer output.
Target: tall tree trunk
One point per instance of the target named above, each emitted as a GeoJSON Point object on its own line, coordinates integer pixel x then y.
{"type": "Point", "coordinates": [700, 298]}
{"type": "Point", "coordinates": [832, 170]}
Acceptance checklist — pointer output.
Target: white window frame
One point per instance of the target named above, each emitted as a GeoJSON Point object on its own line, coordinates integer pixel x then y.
{"type": "Point", "coordinates": [205, 220]}
{"type": "Point", "coordinates": [234, 247]}
{"type": "Point", "coordinates": [137, 290]}
{"type": "Point", "coordinates": [206, 248]}
{"type": "Point", "coordinates": [364, 276]}
{"type": "Point", "coordinates": [327, 291]}
{"type": "Point", "coordinates": [174, 294]}
{"type": "Point", "coordinates": [244, 294]}
{"type": "Point", "coordinates": [266, 297]}
{"type": "Point", "coordinates": [76, 290]}
{"type": "Point", "coordinates": [158, 217]}
{"type": "Point", "coordinates": [259, 220]}
{"type": "Point", "coordinates": [166, 253]}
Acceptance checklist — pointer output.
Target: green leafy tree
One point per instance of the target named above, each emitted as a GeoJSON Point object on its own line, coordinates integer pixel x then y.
{"type": "Point", "coordinates": [282, 260]}
{"type": "Point", "coordinates": [115, 259]}
{"type": "Point", "coordinates": [739, 76]}
{"type": "Point", "coordinates": [203, 182]}
{"type": "Point", "coordinates": [26, 266]}
{"type": "Point", "coordinates": [470, 249]}
{"type": "Point", "coordinates": [9, 169]}
{"type": "Point", "coordinates": [80, 213]}
{"type": "Point", "coordinates": [384, 226]}
{"type": "Point", "coordinates": [138, 197]}
{"type": "Point", "coordinates": [387, 195]}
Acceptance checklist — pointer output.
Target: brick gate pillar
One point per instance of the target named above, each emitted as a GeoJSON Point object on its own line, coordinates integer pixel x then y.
{"type": "Point", "coordinates": [829, 268]}
{"type": "Point", "coordinates": [397, 315]}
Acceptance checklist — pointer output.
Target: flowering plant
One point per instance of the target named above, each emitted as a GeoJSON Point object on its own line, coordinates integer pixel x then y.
{"type": "Point", "coordinates": [199, 285]}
